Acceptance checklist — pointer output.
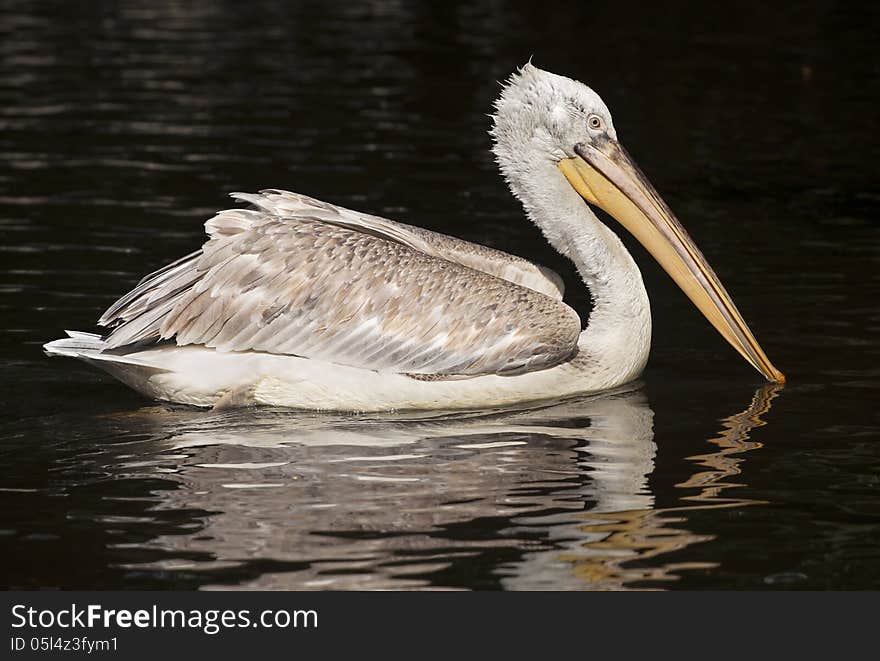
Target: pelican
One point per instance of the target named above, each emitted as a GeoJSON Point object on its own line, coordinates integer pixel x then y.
{"type": "Point", "coordinates": [299, 303]}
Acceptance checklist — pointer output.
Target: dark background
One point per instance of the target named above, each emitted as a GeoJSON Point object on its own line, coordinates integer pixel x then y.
{"type": "Point", "coordinates": [124, 124]}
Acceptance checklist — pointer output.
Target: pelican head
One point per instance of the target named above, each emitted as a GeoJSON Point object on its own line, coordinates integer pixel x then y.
{"type": "Point", "coordinates": [547, 124]}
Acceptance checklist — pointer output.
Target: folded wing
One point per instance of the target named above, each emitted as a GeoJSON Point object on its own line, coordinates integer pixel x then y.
{"type": "Point", "coordinates": [298, 277]}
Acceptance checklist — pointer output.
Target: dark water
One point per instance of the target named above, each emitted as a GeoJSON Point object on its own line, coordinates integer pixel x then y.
{"type": "Point", "coordinates": [122, 126]}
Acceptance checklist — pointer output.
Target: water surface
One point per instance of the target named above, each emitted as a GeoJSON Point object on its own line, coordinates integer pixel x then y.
{"type": "Point", "coordinates": [122, 126]}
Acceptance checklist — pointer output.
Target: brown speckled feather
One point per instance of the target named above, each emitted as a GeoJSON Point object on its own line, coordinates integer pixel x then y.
{"type": "Point", "coordinates": [300, 277]}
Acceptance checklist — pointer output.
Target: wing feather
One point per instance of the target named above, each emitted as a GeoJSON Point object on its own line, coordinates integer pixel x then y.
{"type": "Point", "coordinates": [281, 280]}
{"type": "Point", "coordinates": [482, 258]}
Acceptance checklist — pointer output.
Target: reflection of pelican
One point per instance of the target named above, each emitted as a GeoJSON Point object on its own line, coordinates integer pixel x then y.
{"type": "Point", "coordinates": [336, 493]}
{"type": "Point", "coordinates": [553, 497]}
{"type": "Point", "coordinates": [303, 304]}
{"type": "Point", "coordinates": [608, 540]}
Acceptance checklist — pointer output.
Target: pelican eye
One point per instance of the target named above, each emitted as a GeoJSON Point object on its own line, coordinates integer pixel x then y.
{"type": "Point", "coordinates": [594, 122]}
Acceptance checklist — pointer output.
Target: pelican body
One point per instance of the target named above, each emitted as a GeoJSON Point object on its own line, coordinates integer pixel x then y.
{"type": "Point", "coordinates": [299, 303]}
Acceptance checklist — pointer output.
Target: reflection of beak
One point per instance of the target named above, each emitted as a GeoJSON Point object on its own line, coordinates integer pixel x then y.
{"type": "Point", "coordinates": [606, 176]}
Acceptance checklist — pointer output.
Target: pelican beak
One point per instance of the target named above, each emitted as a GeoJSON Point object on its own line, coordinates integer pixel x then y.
{"type": "Point", "coordinates": [605, 175]}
